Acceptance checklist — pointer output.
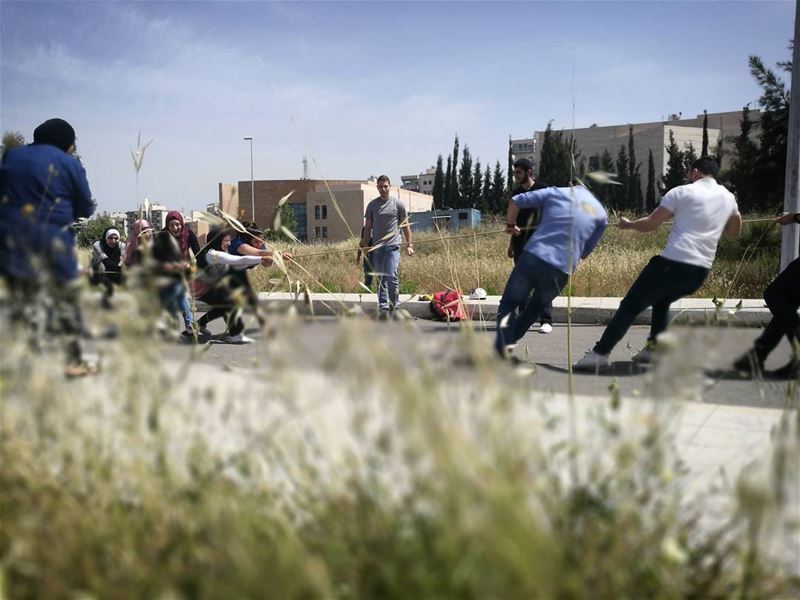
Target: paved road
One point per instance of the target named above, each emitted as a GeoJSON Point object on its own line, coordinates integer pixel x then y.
{"type": "Point", "coordinates": [312, 342]}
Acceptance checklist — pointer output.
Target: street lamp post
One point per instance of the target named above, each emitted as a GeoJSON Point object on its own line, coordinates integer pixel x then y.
{"type": "Point", "coordinates": [252, 183]}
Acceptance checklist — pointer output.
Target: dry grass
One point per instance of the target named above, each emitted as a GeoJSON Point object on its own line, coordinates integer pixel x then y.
{"type": "Point", "coordinates": [287, 484]}
{"type": "Point", "coordinates": [743, 268]}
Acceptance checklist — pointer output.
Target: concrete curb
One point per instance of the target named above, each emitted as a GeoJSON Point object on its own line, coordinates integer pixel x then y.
{"type": "Point", "coordinates": [585, 311]}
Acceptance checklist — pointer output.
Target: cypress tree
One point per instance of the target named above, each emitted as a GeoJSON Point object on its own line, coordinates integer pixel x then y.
{"type": "Point", "coordinates": [676, 168]}
{"type": "Point", "coordinates": [464, 179]}
{"type": "Point", "coordinates": [438, 184]}
{"type": "Point", "coordinates": [486, 193]}
{"type": "Point", "coordinates": [510, 174]}
{"type": "Point", "coordinates": [452, 200]}
{"type": "Point", "coordinates": [650, 199]}
{"type": "Point", "coordinates": [689, 156]}
{"type": "Point", "coordinates": [557, 159]}
{"type": "Point", "coordinates": [743, 174]}
{"type": "Point", "coordinates": [620, 195]}
{"type": "Point", "coordinates": [634, 183]}
{"type": "Point", "coordinates": [477, 186]}
{"type": "Point", "coordinates": [605, 193]}
{"type": "Point", "coordinates": [704, 150]}
{"type": "Point", "coordinates": [498, 190]}
{"type": "Point", "coordinates": [547, 157]}
{"type": "Point", "coordinates": [447, 182]}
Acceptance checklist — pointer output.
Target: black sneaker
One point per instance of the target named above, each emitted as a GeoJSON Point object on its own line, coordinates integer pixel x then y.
{"type": "Point", "coordinates": [749, 364]}
{"type": "Point", "coordinates": [790, 370]}
{"type": "Point", "coordinates": [187, 337]}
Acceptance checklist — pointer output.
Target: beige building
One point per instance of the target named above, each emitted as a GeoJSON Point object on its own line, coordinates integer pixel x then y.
{"type": "Point", "coordinates": [314, 204]}
{"type": "Point", "coordinates": [422, 183]}
{"type": "Point", "coordinates": [593, 141]}
{"type": "Point", "coordinates": [324, 222]}
{"type": "Point", "coordinates": [156, 215]}
{"type": "Point", "coordinates": [198, 226]}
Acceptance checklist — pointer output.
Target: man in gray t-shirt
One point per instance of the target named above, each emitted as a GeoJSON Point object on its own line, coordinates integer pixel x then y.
{"type": "Point", "coordinates": [384, 220]}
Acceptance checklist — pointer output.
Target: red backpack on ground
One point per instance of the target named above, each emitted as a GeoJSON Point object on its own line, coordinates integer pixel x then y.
{"type": "Point", "coordinates": [447, 306]}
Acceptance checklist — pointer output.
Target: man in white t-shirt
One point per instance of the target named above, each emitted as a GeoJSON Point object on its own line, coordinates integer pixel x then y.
{"type": "Point", "coordinates": [701, 212]}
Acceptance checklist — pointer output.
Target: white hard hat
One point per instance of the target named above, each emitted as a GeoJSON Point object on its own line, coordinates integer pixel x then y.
{"type": "Point", "coordinates": [478, 294]}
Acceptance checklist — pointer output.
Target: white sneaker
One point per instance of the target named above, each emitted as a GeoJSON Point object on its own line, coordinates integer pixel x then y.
{"type": "Point", "coordinates": [592, 361]}
{"type": "Point", "coordinates": [645, 355]}
{"type": "Point", "coordinates": [546, 328]}
{"type": "Point", "coordinates": [239, 339]}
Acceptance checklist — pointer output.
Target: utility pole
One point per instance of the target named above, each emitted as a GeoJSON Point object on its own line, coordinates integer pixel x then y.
{"type": "Point", "coordinates": [252, 183]}
{"type": "Point", "coordinates": [791, 195]}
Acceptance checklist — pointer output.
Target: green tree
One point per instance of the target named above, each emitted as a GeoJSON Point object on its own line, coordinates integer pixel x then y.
{"type": "Point", "coordinates": [477, 186]}
{"type": "Point", "coordinates": [11, 139]}
{"type": "Point", "coordinates": [650, 198]}
{"type": "Point", "coordinates": [448, 177]}
{"type": "Point", "coordinates": [92, 230]}
{"type": "Point", "coordinates": [605, 163]}
{"type": "Point", "coordinates": [558, 158]}
{"type": "Point", "coordinates": [620, 193]}
{"type": "Point", "coordinates": [486, 193]}
{"type": "Point", "coordinates": [704, 149]}
{"type": "Point", "coordinates": [742, 175]}
{"type": "Point", "coordinates": [689, 156]}
{"type": "Point", "coordinates": [452, 198]}
{"type": "Point", "coordinates": [499, 192]}
{"type": "Point", "coordinates": [676, 167]}
{"type": "Point", "coordinates": [464, 179]}
{"type": "Point", "coordinates": [287, 220]}
{"type": "Point", "coordinates": [438, 184]}
{"type": "Point", "coordinates": [770, 168]}
{"type": "Point", "coordinates": [634, 181]}
{"type": "Point", "coordinates": [510, 173]}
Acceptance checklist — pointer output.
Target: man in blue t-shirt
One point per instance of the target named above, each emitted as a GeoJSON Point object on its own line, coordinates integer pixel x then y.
{"type": "Point", "coordinates": [43, 191]}
{"type": "Point", "coordinates": [572, 223]}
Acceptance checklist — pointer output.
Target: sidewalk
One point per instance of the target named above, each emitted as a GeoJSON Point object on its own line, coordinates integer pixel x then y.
{"type": "Point", "coordinates": [585, 311]}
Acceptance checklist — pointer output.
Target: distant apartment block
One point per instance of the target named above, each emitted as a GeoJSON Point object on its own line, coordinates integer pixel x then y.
{"type": "Point", "coordinates": [120, 222]}
{"type": "Point", "coordinates": [156, 215]}
{"type": "Point", "coordinates": [323, 211]}
{"type": "Point", "coordinates": [422, 182]}
{"type": "Point", "coordinates": [593, 141]}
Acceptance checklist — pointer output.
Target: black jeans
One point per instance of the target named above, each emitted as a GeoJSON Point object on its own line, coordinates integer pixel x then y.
{"type": "Point", "coordinates": [222, 303]}
{"type": "Point", "coordinates": [547, 313]}
{"type": "Point", "coordinates": [660, 283]}
{"type": "Point", "coordinates": [783, 299]}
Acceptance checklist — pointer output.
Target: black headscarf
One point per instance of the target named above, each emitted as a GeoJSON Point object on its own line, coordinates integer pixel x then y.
{"type": "Point", "coordinates": [112, 253]}
{"type": "Point", "coordinates": [55, 132]}
{"type": "Point", "coordinates": [214, 242]}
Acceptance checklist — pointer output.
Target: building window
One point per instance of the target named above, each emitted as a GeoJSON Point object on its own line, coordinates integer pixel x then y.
{"type": "Point", "coordinates": [325, 232]}
{"type": "Point", "coordinates": [324, 212]}
{"type": "Point", "coordinates": [316, 231]}
{"type": "Point", "coordinates": [316, 212]}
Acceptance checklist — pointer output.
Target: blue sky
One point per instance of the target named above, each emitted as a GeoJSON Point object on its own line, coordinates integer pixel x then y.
{"type": "Point", "coordinates": [361, 88]}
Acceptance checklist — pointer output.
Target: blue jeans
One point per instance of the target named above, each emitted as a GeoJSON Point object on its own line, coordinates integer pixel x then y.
{"type": "Point", "coordinates": [174, 299]}
{"type": "Point", "coordinates": [386, 260]}
{"type": "Point", "coordinates": [531, 288]}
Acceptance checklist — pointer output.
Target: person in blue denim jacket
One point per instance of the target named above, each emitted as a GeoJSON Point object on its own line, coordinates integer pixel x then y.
{"type": "Point", "coordinates": [43, 191]}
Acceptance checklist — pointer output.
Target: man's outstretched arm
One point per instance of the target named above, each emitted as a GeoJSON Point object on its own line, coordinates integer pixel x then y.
{"type": "Point", "coordinates": [648, 223]}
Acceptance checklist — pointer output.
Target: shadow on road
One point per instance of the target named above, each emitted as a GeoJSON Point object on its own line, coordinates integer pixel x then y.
{"type": "Point", "coordinates": [616, 369]}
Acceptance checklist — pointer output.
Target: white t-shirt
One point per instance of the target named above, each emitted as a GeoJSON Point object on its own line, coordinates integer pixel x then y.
{"type": "Point", "coordinates": [700, 211]}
